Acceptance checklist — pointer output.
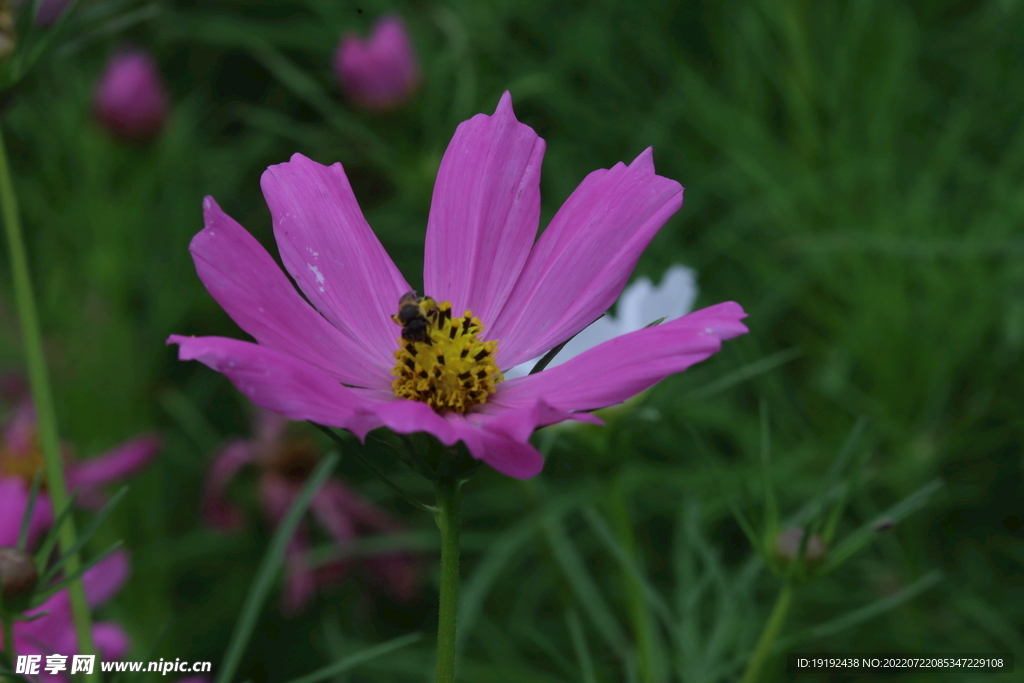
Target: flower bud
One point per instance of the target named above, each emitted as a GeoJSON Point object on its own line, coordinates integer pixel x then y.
{"type": "Point", "coordinates": [787, 546]}
{"type": "Point", "coordinates": [8, 37]}
{"type": "Point", "coordinates": [381, 73]}
{"type": "Point", "coordinates": [49, 10]}
{"type": "Point", "coordinates": [130, 99]}
{"type": "Point", "coordinates": [18, 575]}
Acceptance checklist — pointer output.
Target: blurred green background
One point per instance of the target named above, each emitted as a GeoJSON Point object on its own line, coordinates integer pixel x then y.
{"type": "Point", "coordinates": [853, 177]}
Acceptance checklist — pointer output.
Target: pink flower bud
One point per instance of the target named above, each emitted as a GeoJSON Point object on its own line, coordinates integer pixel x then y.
{"type": "Point", "coordinates": [380, 73]}
{"type": "Point", "coordinates": [49, 10]}
{"type": "Point", "coordinates": [130, 99]}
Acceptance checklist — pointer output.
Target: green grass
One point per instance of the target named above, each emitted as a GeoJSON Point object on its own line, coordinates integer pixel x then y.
{"type": "Point", "coordinates": [852, 174]}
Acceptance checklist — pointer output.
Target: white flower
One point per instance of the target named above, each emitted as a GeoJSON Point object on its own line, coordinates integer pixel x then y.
{"type": "Point", "coordinates": [641, 304]}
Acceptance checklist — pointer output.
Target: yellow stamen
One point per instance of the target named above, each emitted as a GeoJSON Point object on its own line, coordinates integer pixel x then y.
{"type": "Point", "coordinates": [453, 370]}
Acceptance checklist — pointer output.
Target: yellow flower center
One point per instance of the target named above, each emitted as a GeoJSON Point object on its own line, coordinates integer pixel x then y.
{"type": "Point", "coordinates": [23, 465]}
{"type": "Point", "coordinates": [452, 370]}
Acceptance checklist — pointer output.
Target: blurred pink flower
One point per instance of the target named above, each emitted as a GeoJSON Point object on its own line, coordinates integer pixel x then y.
{"type": "Point", "coordinates": [13, 501]}
{"type": "Point", "coordinates": [339, 360]}
{"type": "Point", "coordinates": [284, 465]}
{"type": "Point", "coordinates": [380, 73]}
{"type": "Point", "coordinates": [20, 457]}
{"type": "Point", "coordinates": [54, 633]}
{"type": "Point", "coordinates": [49, 10]}
{"type": "Point", "coordinates": [130, 99]}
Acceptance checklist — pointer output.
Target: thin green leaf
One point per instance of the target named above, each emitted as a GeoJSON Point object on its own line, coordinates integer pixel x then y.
{"type": "Point", "coordinates": [574, 569]}
{"type": "Point", "coordinates": [771, 509]}
{"type": "Point", "coordinates": [268, 569]}
{"type": "Point", "coordinates": [50, 541]}
{"type": "Point", "coordinates": [84, 535]}
{"type": "Point", "coordinates": [42, 596]}
{"type": "Point", "coordinates": [579, 645]}
{"type": "Point", "coordinates": [989, 618]}
{"type": "Point", "coordinates": [756, 540]}
{"type": "Point", "coordinates": [190, 420]}
{"type": "Point", "coordinates": [629, 566]}
{"type": "Point", "coordinates": [740, 375]}
{"type": "Point", "coordinates": [355, 660]}
{"type": "Point", "coordinates": [9, 675]}
{"type": "Point", "coordinates": [506, 548]}
{"type": "Point", "coordinates": [859, 616]}
{"type": "Point", "coordinates": [550, 355]}
{"type": "Point", "coordinates": [865, 534]}
{"type": "Point", "coordinates": [26, 517]}
{"type": "Point", "coordinates": [355, 452]}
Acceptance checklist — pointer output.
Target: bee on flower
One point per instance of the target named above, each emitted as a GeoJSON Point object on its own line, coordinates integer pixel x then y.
{"type": "Point", "coordinates": [503, 297]}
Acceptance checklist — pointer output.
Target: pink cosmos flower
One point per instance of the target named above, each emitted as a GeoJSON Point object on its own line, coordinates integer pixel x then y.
{"type": "Point", "coordinates": [341, 361]}
{"type": "Point", "coordinates": [130, 100]}
{"type": "Point", "coordinates": [54, 631]}
{"type": "Point", "coordinates": [380, 73]}
{"type": "Point", "coordinates": [285, 463]}
{"type": "Point", "coordinates": [21, 457]}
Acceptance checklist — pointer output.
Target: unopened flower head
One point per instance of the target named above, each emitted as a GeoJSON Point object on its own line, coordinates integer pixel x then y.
{"type": "Point", "coordinates": [493, 299]}
{"type": "Point", "coordinates": [49, 10]}
{"type": "Point", "coordinates": [787, 546]}
{"type": "Point", "coordinates": [130, 100]}
{"type": "Point", "coordinates": [285, 462]}
{"type": "Point", "coordinates": [50, 628]}
{"type": "Point", "coordinates": [380, 73]}
{"type": "Point", "coordinates": [18, 575]}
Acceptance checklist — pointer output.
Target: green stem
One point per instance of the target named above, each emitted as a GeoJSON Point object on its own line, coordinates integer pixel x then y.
{"type": "Point", "coordinates": [8, 620]}
{"type": "Point", "coordinates": [40, 383]}
{"type": "Point", "coordinates": [448, 521]}
{"type": "Point", "coordinates": [636, 602]}
{"type": "Point", "coordinates": [768, 635]}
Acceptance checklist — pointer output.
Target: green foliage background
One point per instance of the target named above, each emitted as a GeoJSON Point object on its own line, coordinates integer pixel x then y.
{"type": "Point", "coordinates": [853, 176]}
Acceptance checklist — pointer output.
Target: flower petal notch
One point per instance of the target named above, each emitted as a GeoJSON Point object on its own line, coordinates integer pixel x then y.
{"type": "Point", "coordinates": [369, 352]}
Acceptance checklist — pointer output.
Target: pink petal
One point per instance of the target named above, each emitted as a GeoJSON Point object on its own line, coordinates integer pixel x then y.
{"type": "Point", "coordinates": [270, 427]}
{"type": "Point", "coordinates": [243, 278]}
{"type": "Point", "coordinates": [384, 409]}
{"type": "Point", "coordinates": [118, 463]}
{"type": "Point", "coordinates": [219, 513]}
{"type": "Point", "coordinates": [297, 390]}
{"type": "Point", "coordinates": [581, 263]}
{"type": "Point", "coordinates": [398, 573]}
{"type": "Point", "coordinates": [106, 578]}
{"type": "Point", "coordinates": [360, 511]}
{"type": "Point", "coordinates": [484, 213]}
{"type": "Point", "coordinates": [300, 580]}
{"type": "Point", "coordinates": [111, 641]}
{"type": "Point", "coordinates": [333, 516]}
{"type": "Point", "coordinates": [277, 495]}
{"type": "Point", "coordinates": [21, 429]}
{"type": "Point", "coordinates": [13, 501]}
{"type": "Point", "coordinates": [330, 251]}
{"type": "Point", "coordinates": [507, 454]}
{"type": "Point", "coordinates": [273, 380]}
{"type": "Point", "coordinates": [625, 366]}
